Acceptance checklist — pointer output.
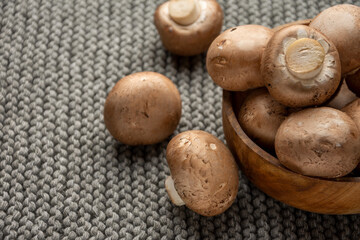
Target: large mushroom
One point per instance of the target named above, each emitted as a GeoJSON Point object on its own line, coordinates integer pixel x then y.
{"type": "Point", "coordinates": [204, 174]}
{"type": "Point", "coordinates": [187, 27]}
{"type": "Point", "coordinates": [142, 108]}
{"type": "Point", "coordinates": [233, 59]}
{"type": "Point", "coordinates": [341, 25]}
{"type": "Point", "coordinates": [300, 67]}
{"type": "Point", "coordinates": [322, 142]}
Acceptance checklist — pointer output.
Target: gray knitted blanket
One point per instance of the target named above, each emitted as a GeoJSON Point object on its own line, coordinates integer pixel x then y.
{"type": "Point", "coordinates": [62, 176]}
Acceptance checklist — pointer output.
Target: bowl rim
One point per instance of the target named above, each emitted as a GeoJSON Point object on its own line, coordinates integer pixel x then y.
{"type": "Point", "coordinates": [230, 114]}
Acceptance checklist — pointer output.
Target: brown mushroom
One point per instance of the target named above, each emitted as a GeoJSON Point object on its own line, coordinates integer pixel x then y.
{"type": "Point", "coordinates": [353, 82]}
{"type": "Point", "coordinates": [299, 22]}
{"type": "Point", "coordinates": [142, 108]}
{"type": "Point", "coordinates": [204, 174]}
{"type": "Point", "coordinates": [187, 27]}
{"type": "Point", "coordinates": [260, 117]}
{"type": "Point", "coordinates": [322, 142]}
{"type": "Point", "coordinates": [233, 59]}
{"type": "Point", "coordinates": [341, 25]}
{"type": "Point", "coordinates": [341, 97]}
{"type": "Point", "coordinates": [300, 67]}
{"type": "Point", "coordinates": [353, 110]}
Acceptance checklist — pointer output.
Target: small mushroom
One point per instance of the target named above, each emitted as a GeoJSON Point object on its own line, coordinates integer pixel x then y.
{"type": "Point", "coordinates": [353, 82]}
{"type": "Point", "coordinates": [322, 142]}
{"type": "Point", "coordinates": [353, 110]}
{"type": "Point", "coordinates": [260, 116]}
{"type": "Point", "coordinates": [341, 25]}
{"type": "Point", "coordinates": [142, 108]}
{"type": "Point", "coordinates": [204, 174]}
{"type": "Point", "coordinates": [187, 27]}
{"type": "Point", "coordinates": [341, 97]}
{"type": "Point", "coordinates": [300, 67]}
{"type": "Point", "coordinates": [233, 59]}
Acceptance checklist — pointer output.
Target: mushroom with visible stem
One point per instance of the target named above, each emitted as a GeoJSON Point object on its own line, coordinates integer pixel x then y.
{"type": "Point", "coordinates": [204, 174]}
{"type": "Point", "coordinates": [300, 67]}
{"type": "Point", "coordinates": [142, 108]}
{"type": "Point", "coordinates": [321, 142]}
{"type": "Point", "coordinates": [187, 27]}
{"type": "Point", "coordinates": [341, 25]}
{"type": "Point", "coordinates": [233, 59]}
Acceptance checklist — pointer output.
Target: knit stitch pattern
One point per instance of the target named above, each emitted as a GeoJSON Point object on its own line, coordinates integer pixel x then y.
{"type": "Point", "coordinates": [62, 175]}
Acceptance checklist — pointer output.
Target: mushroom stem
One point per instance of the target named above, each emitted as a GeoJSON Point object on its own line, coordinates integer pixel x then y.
{"type": "Point", "coordinates": [184, 12]}
{"type": "Point", "coordinates": [173, 194]}
{"type": "Point", "coordinates": [305, 57]}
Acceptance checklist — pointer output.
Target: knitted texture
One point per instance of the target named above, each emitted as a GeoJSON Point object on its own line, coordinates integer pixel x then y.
{"type": "Point", "coordinates": [62, 175]}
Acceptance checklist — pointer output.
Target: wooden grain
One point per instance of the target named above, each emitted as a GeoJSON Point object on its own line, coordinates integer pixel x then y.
{"type": "Point", "coordinates": [327, 196]}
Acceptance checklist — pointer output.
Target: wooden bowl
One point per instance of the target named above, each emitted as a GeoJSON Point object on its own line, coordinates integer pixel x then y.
{"type": "Point", "coordinates": [327, 196]}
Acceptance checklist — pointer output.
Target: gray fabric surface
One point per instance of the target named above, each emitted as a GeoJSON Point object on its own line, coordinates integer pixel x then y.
{"type": "Point", "coordinates": [62, 176]}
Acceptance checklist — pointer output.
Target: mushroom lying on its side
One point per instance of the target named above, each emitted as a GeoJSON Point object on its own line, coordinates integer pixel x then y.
{"type": "Point", "coordinates": [204, 174]}
{"type": "Point", "coordinates": [322, 142]}
{"type": "Point", "coordinates": [300, 67]}
{"type": "Point", "coordinates": [233, 59]}
{"type": "Point", "coordinates": [187, 27]}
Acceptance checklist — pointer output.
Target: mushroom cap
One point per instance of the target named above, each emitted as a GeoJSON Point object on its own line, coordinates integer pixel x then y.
{"type": "Point", "coordinates": [233, 59]}
{"type": "Point", "coordinates": [204, 171]}
{"type": "Point", "coordinates": [142, 108]}
{"type": "Point", "coordinates": [293, 89]}
{"type": "Point", "coordinates": [341, 97]}
{"type": "Point", "coordinates": [353, 82]}
{"type": "Point", "coordinates": [260, 116]}
{"type": "Point", "coordinates": [353, 110]}
{"type": "Point", "coordinates": [298, 22]}
{"type": "Point", "coordinates": [190, 39]}
{"type": "Point", "coordinates": [341, 25]}
{"type": "Point", "coordinates": [322, 142]}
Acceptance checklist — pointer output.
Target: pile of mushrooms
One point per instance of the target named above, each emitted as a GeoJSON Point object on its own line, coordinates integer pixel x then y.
{"type": "Point", "coordinates": [301, 81]}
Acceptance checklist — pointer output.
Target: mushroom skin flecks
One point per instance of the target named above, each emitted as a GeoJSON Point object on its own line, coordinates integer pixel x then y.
{"type": "Point", "coordinates": [233, 59]}
{"type": "Point", "coordinates": [260, 117]}
{"type": "Point", "coordinates": [300, 67]}
{"type": "Point", "coordinates": [320, 142]}
{"type": "Point", "coordinates": [204, 172]}
{"type": "Point", "coordinates": [142, 108]}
